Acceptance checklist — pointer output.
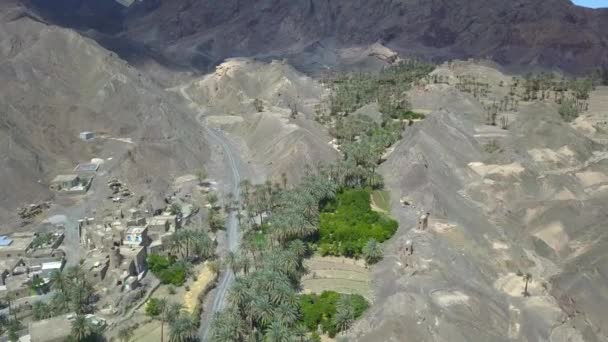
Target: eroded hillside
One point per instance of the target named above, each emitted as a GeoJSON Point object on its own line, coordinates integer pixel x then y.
{"type": "Point", "coordinates": [312, 33]}
{"type": "Point", "coordinates": [504, 203]}
{"type": "Point", "coordinates": [57, 84]}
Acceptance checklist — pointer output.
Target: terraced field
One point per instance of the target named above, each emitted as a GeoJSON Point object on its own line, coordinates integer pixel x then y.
{"type": "Point", "coordinates": [337, 274]}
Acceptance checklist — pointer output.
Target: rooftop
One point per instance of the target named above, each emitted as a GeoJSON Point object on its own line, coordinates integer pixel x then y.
{"type": "Point", "coordinates": [9, 264]}
{"type": "Point", "coordinates": [53, 265]}
{"type": "Point", "coordinates": [156, 220]}
{"type": "Point", "coordinates": [5, 241]}
{"type": "Point", "coordinates": [16, 282]}
{"type": "Point", "coordinates": [64, 178]}
{"type": "Point", "coordinates": [136, 230]}
{"type": "Point", "coordinates": [18, 242]}
{"type": "Point", "coordinates": [131, 251]}
{"type": "Point", "coordinates": [86, 167]}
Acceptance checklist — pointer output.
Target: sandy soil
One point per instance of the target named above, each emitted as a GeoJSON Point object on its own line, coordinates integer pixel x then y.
{"type": "Point", "coordinates": [337, 274]}
{"type": "Point", "coordinates": [205, 277]}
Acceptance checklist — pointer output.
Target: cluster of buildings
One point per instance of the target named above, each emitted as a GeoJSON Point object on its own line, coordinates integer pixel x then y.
{"type": "Point", "coordinates": [27, 261]}
{"type": "Point", "coordinates": [76, 182]}
{"type": "Point", "coordinates": [119, 244]}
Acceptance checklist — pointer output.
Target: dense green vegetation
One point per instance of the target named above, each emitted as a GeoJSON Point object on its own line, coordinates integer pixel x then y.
{"type": "Point", "coordinates": [263, 302]}
{"type": "Point", "coordinates": [387, 88]}
{"type": "Point", "coordinates": [348, 223]}
{"type": "Point", "coordinates": [185, 246]}
{"type": "Point", "coordinates": [72, 293]}
{"type": "Point", "coordinates": [280, 225]}
{"type": "Point", "coordinates": [168, 269]}
{"type": "Point", "coordinates": [331, 310]}
{"type": "Point", "coordinates": [362, 140]}
{"type": "Point", "coordinates": [183, 327]}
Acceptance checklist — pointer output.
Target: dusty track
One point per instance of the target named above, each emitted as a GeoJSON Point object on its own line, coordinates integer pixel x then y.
{"type": "Point", "coordinates": [232, 161]}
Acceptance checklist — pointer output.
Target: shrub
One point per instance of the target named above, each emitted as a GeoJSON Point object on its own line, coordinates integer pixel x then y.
{"type": "Point", "coordinates": [372, 252]}
{"type": "Point", "coordinates": [167, 270]}
{"type": "Point", "coordinates": [158, 263]}
{"type": "Point", "coordinates": [568, 110]}
{"type": "Point", "coordinates": [320, 310]}
{"type": "Point", "coordinates": [153, 307]}
{"type": "Point", "coordinates": [491, 146]}
{"type": "Point", "coordinates": [347, 229]}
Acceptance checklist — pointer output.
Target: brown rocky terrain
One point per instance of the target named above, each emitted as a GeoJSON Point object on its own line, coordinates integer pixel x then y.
{"type": "Point", "coordinates": [56, 84]}
{"type": "Point", "coordinates": [542, 33]}
{"type": "Point", "coordinates": [534, 205]}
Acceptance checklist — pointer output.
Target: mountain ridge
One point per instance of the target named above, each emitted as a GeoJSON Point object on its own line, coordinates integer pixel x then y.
{"type": "Point", "coordinates": [523, 33]}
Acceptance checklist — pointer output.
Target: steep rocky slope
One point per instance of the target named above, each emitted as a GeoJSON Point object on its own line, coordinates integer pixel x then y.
{"type": "Point", "coordinates": [312, 33]}
{"type": "Point", "coordinates": [279, 135]}
{"type": "Point", "coordinates": [56, 84]}
{"type": "Point", "coordinates": [533, 205]}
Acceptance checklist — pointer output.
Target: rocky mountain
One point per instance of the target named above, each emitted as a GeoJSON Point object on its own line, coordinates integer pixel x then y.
{"type": "Point", "coordinates": [530, 206]}
{"type": "Point", "coordinates": [56, 84]}
{"type": "Point", "coordinates": [547, 33]}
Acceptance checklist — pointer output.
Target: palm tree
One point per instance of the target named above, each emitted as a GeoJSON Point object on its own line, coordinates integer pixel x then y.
{"type": "Point", "coordinates": [239, 293]}
{"type": "Point", "coordinates": [527, 278]}
{"type": "Point", "coordinates": [244, 264]}
{"type": "Point", "coordinates": [278, 332]}
{"type": "Point", "coordinates": [81, 329]}
{"type": "Point", "coordinates": [345, 313]}
{"type": "Point", "coordinates": [372, 252]}
{"type": "Point", "coordinates": [300, 333]}
{"type": "Point", "coordinates": [262, 310]}
{"type": "Point", "coordinates": [287, 313]}
{"type": "Point", "coordinates": [298, 247]}
{"type": "Point", "coordinates": [172, 311]}
{"type": "Point", "coordinates": [125, 334]}
{"type": "Point", "coordinates": [58, 281]}
{"type": "Point", "coordinates": [201, 175]}
{"type": "Point", "coordinates": [232, 261]}
{"type": "Point", "coordinates": [41, 310]}
{"type": "Point", "coordinates": [60, 303]}
{"type": "Point", "coordinates": [79, 290]}
{"type": "Point", "coordinates": [203, 246]}
{"type": "Point", "coordinates": [162, 306]}
{"type": "Point", "coordinates": [183, 328]}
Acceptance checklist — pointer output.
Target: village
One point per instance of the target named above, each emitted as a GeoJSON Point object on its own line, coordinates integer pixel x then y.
{"type": "Point", "coordinates": [108, 245]}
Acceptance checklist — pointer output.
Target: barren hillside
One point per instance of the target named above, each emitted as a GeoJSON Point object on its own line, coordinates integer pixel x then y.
{"type": "Point", "coordinates": [57, 84]}
{"type": "Point", "coordinates": [550, 33]}
{"type": "Point", "coordinates": [503, 203]}
{"type": "Point", "coordinates": [269, 107]}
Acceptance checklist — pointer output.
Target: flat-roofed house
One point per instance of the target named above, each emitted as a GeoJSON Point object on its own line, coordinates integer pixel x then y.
{"type": "Point", "coordinates": [64, 182]}
{"type": "Point", "coordinates": [136, 236]}
{"type": "Point", "coordinates": [15, 246]}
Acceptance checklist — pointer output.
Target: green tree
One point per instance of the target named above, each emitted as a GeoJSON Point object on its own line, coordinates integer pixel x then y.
{"type": "Point", "coordinates": [175, 208]}
{"type": "Point", "coordinates": [13, 328]}
{"type": "Point", "coordinates": [201, 176]}
{"type": "Point", "coordinates": [155, 306]}
{"type": "Point", "coordinates": [81, 329]}
{"type": "Point", "coordinates": [258, 105]}
{"type": "Point", "coordinates": [125, 334]}
{"type": "Point", "coordinates": [41, 310]}
{"type": "Point", "coordinates": [58, 281]}
{"type": "Point", "coordinates": [183, 328]}
{"type": "Point", "coordinates": [568, 110]}
{"type": "Point", "coordinates": [527, 279]}
{"type": "Point", "coordinates": [372, 252]}
{"type": "Point", "coordinates": [345, 313]}
{"type": "Point", "coordinates": [278, 332]}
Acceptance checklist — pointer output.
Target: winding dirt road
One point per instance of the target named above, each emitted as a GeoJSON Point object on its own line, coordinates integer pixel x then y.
{"type": "Point", "coordinates": [233, 163]}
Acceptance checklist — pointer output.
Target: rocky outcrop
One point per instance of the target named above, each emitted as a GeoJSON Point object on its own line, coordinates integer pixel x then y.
{"type": "Point", "coordinates": [553, 33]}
